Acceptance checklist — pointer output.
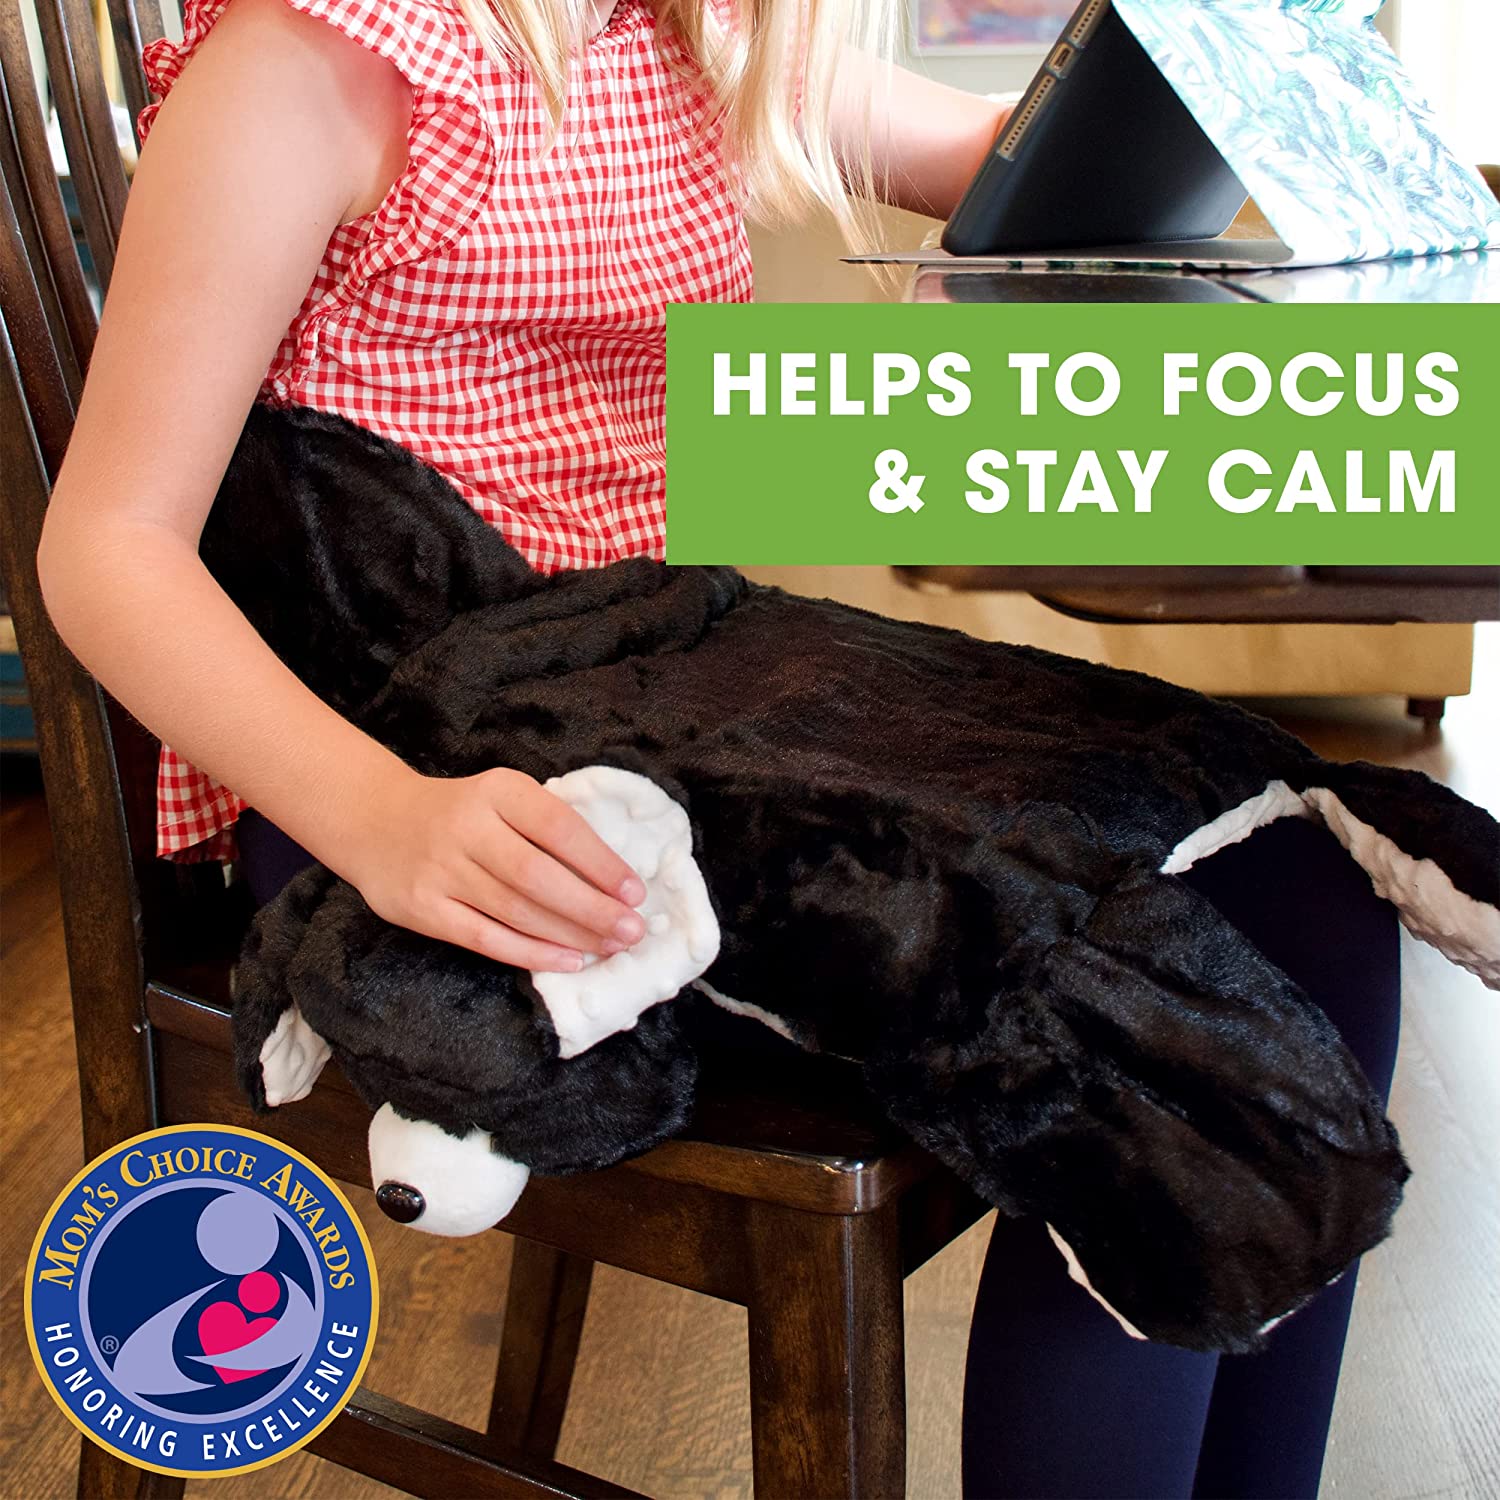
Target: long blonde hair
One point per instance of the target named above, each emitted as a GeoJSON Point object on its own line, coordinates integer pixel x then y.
{"type": "Point", "coordinates": [781, 161]}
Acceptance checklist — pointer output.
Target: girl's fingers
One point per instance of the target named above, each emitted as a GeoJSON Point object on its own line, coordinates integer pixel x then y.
{"type": "Point", "coordinates": [532, 872]}
{"type": "Point", "coordinates": [512, 909]}
{"type": "Point", "coordinates": [550, 824]}
{"type": "Point", "coordinates": [471, 929]}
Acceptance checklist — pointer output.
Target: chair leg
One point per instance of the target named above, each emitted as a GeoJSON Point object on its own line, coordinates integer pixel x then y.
{"type": "Point", "coordinates": [1429, 710]}
{"type": "Point", "coordinates": [827, 1355]}
{"type": "Point", "coordinates": [544, 1308]}
{"type": "Point", "coordinates": [102, 1476]}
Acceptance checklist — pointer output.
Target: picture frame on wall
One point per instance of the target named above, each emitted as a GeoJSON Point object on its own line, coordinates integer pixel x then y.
{"type": "Point", "coordinates": [977, 28]}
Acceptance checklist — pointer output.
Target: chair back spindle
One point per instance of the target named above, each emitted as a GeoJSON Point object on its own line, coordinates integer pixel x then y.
{"type": "Point", "coordinates": [85, 117]}
{"type": "Point", "coordinates": [122, 906]}
{"type": "Point", "coordinates": [42, 219]}
{"type": "Point", "coordinates": [135, 25]}
{"type": "Point", "coordinates": [101, 911]}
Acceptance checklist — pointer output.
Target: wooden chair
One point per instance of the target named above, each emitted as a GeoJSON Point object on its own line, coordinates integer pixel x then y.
{"type": "Point", "coordinates": [793, 1200]}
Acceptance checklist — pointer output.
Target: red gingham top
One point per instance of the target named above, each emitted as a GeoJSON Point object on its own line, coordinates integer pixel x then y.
{"type": "Point", "coordinates": [502, 312]}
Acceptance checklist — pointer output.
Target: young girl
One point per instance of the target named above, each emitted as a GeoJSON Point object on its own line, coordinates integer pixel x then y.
{"type": "Point", "coordinates": [459, 226]}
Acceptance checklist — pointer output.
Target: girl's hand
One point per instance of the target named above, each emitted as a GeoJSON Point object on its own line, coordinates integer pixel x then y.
{"type": "Point", "coordinates": [926, 138]}
{"type": "Point", "coordinates": [497, 864]}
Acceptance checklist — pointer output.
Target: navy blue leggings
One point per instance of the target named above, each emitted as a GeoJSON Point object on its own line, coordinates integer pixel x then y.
{"type": "Point", "coordinates": [268, 857]}
{"type": "Point", "coordinates": [1058, 1401]}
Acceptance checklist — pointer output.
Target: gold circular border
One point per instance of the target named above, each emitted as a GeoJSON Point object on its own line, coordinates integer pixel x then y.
{"type": "Point", "coordinates": [260, 1463]}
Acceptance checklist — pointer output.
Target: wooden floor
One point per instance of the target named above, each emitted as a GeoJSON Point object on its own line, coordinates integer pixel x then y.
{"type": "Point", "coordinates": [661, 1402]}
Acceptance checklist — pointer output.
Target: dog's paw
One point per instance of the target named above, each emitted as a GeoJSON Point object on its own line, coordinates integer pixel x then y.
{"type": "Point", "coordinates": [291, 1059]}
{"type": "Point", "coordinates": [651, 833]}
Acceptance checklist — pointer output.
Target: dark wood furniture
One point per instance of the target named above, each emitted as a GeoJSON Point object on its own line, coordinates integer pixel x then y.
{"type": "Point", "coordinates": [790, 1198]}
{"type": "Point", "coordinates": [1233, 595]}
{"type": "Point", "coordinates": [1239, 596]}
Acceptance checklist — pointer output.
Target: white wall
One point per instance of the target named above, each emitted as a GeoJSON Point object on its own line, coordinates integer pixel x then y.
{"type": "Point", "coordinates": [1452, 46]}
{"type": "Point", "coordinates": [1453, 49]}
{"type": "Point", "coordinates": [985, 75]}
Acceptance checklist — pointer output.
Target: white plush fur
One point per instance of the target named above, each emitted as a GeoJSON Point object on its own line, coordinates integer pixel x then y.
{"type": "Point", "coordinates": [1277, 801]}
{"type": "Point", "coordinates": [1432, 908]}
{"type": "Point", "coordinates": [291, 1059]}
{"type": "Point", "coordinates": [1430, 905]}
{"type": "Point", "coordinates": [467, 1185]}
{"type": "Point", "coordinates": [744, 1008]}
{"type": "Point", "coordinates": [651, 833]}
{"type": "Point", "coordinates": [1077, 1273]}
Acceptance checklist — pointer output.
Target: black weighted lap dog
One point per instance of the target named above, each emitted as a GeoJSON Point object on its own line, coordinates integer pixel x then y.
{"type": "Point", "coordinates": [949, 859]}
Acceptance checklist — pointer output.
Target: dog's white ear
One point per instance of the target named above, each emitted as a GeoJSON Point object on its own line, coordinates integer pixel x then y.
{"type": "Point", "coordinates": [651, 833]}
{"type": "Point", "coordinates": [291, 1059]}
{"type": "Point", "coordinates": [439, 1183]}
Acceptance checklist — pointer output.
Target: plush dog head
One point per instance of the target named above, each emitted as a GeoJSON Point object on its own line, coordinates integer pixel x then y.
{"type": "Point", "coordinates": [452, 1038]}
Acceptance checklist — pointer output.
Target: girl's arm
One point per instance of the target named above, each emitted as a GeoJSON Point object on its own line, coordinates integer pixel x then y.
{"type": "Point", "coordinates": [279, 130]}
{"type": "Point", "coordinates": [926, 139]}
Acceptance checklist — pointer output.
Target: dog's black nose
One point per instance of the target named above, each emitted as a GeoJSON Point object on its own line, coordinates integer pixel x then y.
{"type": "Point", "coordinates": [399, 1202]}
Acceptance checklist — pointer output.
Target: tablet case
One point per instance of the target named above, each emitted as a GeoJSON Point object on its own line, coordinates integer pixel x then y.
{"type": "Point", "coordinates": [1101, 151]}
{"type": "Point", "coordinates": [1318, 118]}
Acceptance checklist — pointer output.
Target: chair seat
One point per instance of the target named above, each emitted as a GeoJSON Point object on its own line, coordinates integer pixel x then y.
{"type": "Point", "coordinates": [757, 1090]}
{"type": "Point", "coordinates": [771, 1122]}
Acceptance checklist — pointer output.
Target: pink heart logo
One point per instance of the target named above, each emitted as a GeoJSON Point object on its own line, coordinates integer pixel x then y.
{"type": "Point", "coordinates": [222, 1327]}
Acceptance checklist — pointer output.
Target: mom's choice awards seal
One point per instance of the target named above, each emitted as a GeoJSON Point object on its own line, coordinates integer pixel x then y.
{"type": "Point", "coordinates": [201, 1300]}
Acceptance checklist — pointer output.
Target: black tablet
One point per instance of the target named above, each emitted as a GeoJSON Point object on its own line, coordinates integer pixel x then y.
{"type": "Point", "coordinates": [1100, 151]}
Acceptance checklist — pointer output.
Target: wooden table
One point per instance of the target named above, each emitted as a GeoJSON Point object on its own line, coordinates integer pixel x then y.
{"type": "Point", "coordinates": [1471, 278]}
{"type": "Point", "coordinates": [1280, 595]}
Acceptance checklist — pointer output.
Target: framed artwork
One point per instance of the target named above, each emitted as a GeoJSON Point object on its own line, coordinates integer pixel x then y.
{"type": "Point", "coordinates": [966, 27]}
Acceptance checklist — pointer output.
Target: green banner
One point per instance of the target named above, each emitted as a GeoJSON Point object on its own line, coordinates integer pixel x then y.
{"type": "Point", "coordinates": [1088, 434]}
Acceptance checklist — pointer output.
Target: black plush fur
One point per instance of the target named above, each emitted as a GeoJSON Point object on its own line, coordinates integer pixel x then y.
{"type": "Point", "coordinates": [446, 1036]}
{"type": "Point", "coordinates": [932, 853]}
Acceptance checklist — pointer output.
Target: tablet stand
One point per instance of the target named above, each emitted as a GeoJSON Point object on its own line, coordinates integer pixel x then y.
{"type": "Point", "coordinates": [1322, 124]}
